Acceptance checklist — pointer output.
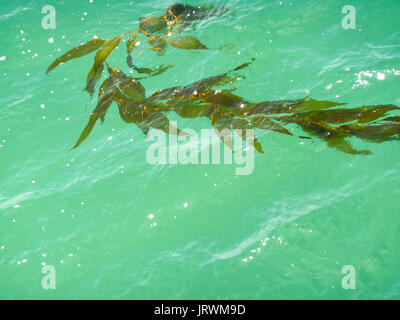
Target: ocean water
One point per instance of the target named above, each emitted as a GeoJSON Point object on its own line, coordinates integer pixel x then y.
{"type": "Point", "coordinates": [116, 227]}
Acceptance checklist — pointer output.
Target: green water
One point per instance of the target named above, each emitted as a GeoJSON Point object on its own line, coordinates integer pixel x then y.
{"type": "Point", "coordinates": [86, 212]}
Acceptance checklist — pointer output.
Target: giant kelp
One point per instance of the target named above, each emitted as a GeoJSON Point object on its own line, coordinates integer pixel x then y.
{"type": "Point", "coordinates": [160, 32]}
{"type": "Point", "coordinates": [213, 97]}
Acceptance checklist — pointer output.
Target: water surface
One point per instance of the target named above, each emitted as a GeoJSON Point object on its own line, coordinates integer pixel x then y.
{"type": "Point", "coordinates": [286, 231]}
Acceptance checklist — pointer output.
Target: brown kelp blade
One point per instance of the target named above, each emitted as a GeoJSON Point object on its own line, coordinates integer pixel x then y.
{"type": "Point", "coordinates": [177, 93]}
{"type": "Point", "coordinates": [314, 129]}
{"type": "Point", "coordinates": [338, 142]}
{"type": "Point", "coordinates": [77, 52]}
{"type": "Point", "coordinates": [160, 70]}
{"type": "Point", "coordinates": [375, 133]}
{"type": "Point", "coordinates": [189, 14]}
{"type": "Point", "coordinates": [104, 102]}
{"type": "Point", "coordinates": [265, 123]}
{"type": "Point", "coordinates": [342, 116]}
{"type": "Point", "coordinates": [106, 87]}
{"type": "Point", "coordinates": [129, 48]}
{"type": "Point", "coordinates": [93, 77]}
{"type": "Point", "coordinates": [392, 119]}
{"type": "Point", "coordinates": [107, 90]}
{"type": "Point", "coordinates": [85, 133]}
{"type": "Point", "coordinates": [153, 72]}
{"type": "Point", "coordinates": [244, 65]}
{"type": "Point", "coordinates": [158, 44]}
{"type": "Point", "coordinates": [129, 110]}
{"type": "Point", "coordinates": [158, 120]}
{"type": "Point", "coordinates": [333, 136]}
{"type": "Point", "coordinates": [284, 106]}
{"type": "Point", "coordinates": [240, 126]}
{"type": "Point", "coordinates": [313, 105]}
{"type": "Point", "coordinates": [152, 25]}
{"type": "Point", "coordinates": [195, 88]}
{"type": "Point", "coordinates": [223, 127]}
{"type": "Point", "coordinates": [187, 43]}
{"type": "Point", "coordinates": [266, 108]}
{"type": "Point", "coordinates": [191, 110]}
{"type": "Point", "coordinates": [225, 99]}
{"type": "Point", "coordinates": [134, 112]}
{"type": "Point", "coordinates": [129, 86]}
{"type": "Point", "coordinates": [130, 64]}
{"type": "Point", "coordinates": [133, 89]}
{"type": "Point", "coordinates": [98, 66]}
{"type": "Point", "coordinates": [105, 50]}
{"type": "Point", "coordinates": [150, 72]}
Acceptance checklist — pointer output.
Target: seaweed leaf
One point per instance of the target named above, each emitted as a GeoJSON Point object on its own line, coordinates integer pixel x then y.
{"type": "Point", "coordinates": [265, 123]}
{"type": "Point", "coordinates": [153, 24]}
{"type": "Point", "coordinates": [223, 98]}
{"type": "Point", "coordinates": [143, 117]}
{"type": "Point", "coordinates": [129, 86]}
{"type": "Point", "coordinates": [98, 66]}
{"type": "Point", "coordinates": [190, 110]}
{"type": "Point", "coordinates": [187, 43]}
{"type": "Point", "coordinates": [375, 133]}
{"type": "Point", "coordinates": [105, 50]}
{"type": "Point", "coordinates": [244, 65]}
{"type": "Point", "coordinates": [222, 127]}
{"type": "Point", "coordinates": [333, 136]}
{"type": "Point", "coordinates": [77, 52]}
{"type": "Point", "coordinates": [159, 44]}
{"type": "Point", "coordinates": [341, 144]}
{"type": "Point", "coordinates": [129, 110]}
{"type": "Point", "coordinates": [106, 95]}
{"type": "Point", "coordinates": [194, 89]}
{"type": "Point", "coordinates": [92, 78]}
{"type": "Point", "coordinates": [157, 120]}
{"type": "Point", "coordinates": [392, 119]}
{"type": "Point", "coordinates": [341, 116]}
{"type": "Point", "coordinates": [313, 105]}
{"type": "Point", "coordinates": [240, 126]}
{"type": "Point", "coordinates": [267, 107]}
{"type": "Point", "coordinates": [189, 14]}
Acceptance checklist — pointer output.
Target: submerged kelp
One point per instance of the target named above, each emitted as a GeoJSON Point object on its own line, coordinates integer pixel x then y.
{"type": "Point", "coordinates": [210, 97]}
{"type": "Point", "coordinates": [160, 32]}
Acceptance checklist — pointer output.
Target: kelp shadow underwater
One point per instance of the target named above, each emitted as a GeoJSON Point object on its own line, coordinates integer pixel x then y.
{"type": "Point", "coordinates": [210, 98]}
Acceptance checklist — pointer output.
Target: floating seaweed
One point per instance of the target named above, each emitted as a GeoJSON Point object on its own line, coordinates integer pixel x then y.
{"type": "Point", "coordinates": [209, 97]}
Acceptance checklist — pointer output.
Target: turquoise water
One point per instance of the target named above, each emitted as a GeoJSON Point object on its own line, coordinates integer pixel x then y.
{"type": "Point", "coordinates": [283, 232]}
